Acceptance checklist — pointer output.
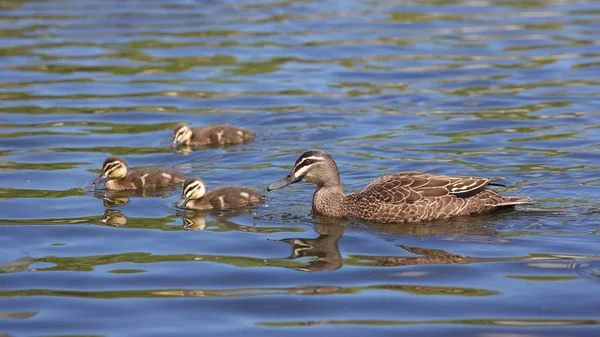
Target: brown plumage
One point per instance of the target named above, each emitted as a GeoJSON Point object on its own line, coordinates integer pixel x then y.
{"type": "Point", "coordinates": [195, 196]}
{"type": "Point", "coordinates": [118, 176]}
{"type": "Point", "coordinates": [221, 134]}
{"type": "Point", "coordinates": [395, 198]}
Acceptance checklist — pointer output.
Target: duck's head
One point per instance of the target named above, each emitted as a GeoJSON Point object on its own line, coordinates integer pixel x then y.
{"type": "Point", "coordinates": [113, 168]}
{"type": "Point", "coordinates": [193, 189]}
{"type": "Point", "coordinates": [315, 167]}
{"type": "Point", "coordinates": [182, 134]}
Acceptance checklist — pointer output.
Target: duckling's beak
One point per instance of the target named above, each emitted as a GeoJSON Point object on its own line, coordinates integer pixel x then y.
{"type": "Point", "coordinates": [176, 143]}
{"type": "Point", "coordinates": [182, 201]}
{"type": "Point", "coordinates": [102, 177]}
{"type": "Point", "coordinates": [288, 180]}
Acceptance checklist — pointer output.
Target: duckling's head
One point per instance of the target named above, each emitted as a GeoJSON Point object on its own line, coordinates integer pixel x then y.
{"type": "Point", "coordinates": [315, 167]}
{"type": "Point", "coordinates": [113, 168]}
{"type": "Point", "coordinates": [182, 134]}
{"type": "Point", "coordinates": [193, 189]}
{"type": "Point", "coordinates": [114, 218]}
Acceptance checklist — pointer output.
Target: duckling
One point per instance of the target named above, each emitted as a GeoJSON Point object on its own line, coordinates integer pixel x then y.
{"type": "Point", "coordinates": [195, 196]}
{"type": "Point", "coordinates": [119, 177]}
{"type": "Point", "coordinates": [395, 198]}
{"type": "Point", "coordinates": [222, 134]}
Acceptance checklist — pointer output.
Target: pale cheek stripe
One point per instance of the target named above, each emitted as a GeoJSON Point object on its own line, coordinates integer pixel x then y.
{"type": "Point", "coordinates": [301, 171]}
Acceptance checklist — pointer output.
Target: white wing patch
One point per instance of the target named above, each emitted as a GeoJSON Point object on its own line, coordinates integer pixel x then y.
{"type": "Point", "coordinates": [240, 133]}
{"type": "Point", "coordinates": [166, 176]}
{"type": "Point", "coordinates": [143, 178]}
{"type": "Point", "coordinates": [222, 200]}
{"type": "Point", "coordinates": [245, 195]}
{"type": "Point", "coordinates": [220, 135]}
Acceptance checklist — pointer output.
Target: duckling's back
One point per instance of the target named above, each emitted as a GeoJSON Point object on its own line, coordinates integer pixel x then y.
{"type": "Point", "coordinates": [150, 177]}
{"type": "Point", "coordinates": [229, 197]}
{"type": "Point", "coordinates": [222, 134]}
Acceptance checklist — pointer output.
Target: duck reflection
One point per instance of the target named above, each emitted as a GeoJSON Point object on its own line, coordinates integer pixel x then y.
{"type": "Point", "coordinates": [325, 247]}
{"type": "Point", "coordinates": [479, 225]}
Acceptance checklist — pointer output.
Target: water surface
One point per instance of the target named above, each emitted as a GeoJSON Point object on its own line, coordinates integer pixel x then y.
{"type": "Point", "coordinates": [490, 88]}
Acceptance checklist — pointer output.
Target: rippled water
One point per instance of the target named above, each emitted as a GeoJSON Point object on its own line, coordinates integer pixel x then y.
{"type": "Point", "coordinates": [489, 88]}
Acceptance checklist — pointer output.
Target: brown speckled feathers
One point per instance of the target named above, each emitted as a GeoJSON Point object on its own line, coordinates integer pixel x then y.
{"type": "Point", "coordinates": [222, 134]}
{"type": "Point", "coordinates": [226, 197]}
{"type": "Point", "coordinates": [417, 196]}
{"type": "Point", "coordinates": [146, 177]}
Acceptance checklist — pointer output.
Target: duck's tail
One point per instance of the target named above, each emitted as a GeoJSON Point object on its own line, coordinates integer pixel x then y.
{"type": "Point", "coordinates": [512, 201]}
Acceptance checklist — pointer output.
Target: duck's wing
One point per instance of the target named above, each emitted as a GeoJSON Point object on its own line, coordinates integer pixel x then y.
{"type": "Point", "coordinates": [410, 187]}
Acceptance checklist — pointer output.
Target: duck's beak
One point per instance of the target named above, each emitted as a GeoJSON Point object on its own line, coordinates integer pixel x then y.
{"type": "Point", "coordinates": [102, 177]}
{"type": "Point", "coordinates": [182, 201]}
{"type": "Point", "coordinates": [288, 180]}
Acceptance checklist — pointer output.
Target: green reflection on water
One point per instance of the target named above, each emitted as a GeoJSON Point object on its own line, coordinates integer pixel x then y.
{"type": "Point", "coordinates": [250, 292]}
{"type": "Point", "coordinates": [12, 193]}
{"type": "Point", "coordinates": [14, 166]}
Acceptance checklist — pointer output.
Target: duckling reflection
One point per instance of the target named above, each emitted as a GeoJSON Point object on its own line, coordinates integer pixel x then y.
{"type": "Point", "coordinates": [196, 220]}
{"type": "Point", "coordinates": [115, 198]}
{"type": "Point", "coordinates": [114, 218]}
{"type": "Point", "coordinates": [111, 199]}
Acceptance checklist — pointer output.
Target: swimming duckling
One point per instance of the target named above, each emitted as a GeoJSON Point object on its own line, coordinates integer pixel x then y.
{"type": "Point", "coordinates": [395, 198]}
{"type": "Point", "coordinates": [121, 178]}
{"type": "Point", "coordinates": [222, 134]}
{"type": "Point", "coordinates": [195, 196]}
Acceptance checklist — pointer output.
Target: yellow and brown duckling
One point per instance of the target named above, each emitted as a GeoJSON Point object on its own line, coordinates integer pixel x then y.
{"type": "Point", "coordinates": [214, 135]}
{"type": "Point", "coordinates": [195, 196]}
{"type": "Point", "coordinates": [119, 177]}
{"type": "Point", "coordinates": [395, 198]}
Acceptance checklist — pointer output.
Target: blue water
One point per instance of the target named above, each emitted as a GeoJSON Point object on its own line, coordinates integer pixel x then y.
{"type": "Point", "coordinates": [489, 88]}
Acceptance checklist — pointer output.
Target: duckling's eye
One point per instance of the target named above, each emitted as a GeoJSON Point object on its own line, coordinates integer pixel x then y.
{"type": "Point", "coordinates": [111, 166]}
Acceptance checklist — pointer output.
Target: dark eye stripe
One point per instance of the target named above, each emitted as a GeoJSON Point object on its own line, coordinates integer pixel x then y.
{"type": "Point", "coordinates": [305, 161]}
{"type": "Point", "coordinates": [111, 165]}
{"type": "Point", "coordinates": [192, 186]}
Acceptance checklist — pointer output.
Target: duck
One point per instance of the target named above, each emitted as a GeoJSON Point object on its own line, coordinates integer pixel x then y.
{"type": "Point", "coordinates": [214, 135]}
{"type": "Point", "coordinates": [118, 176]}
{"type": "Point", "coordinates": [195, 196]}
{"type": "Point", "coordinates": [396, 198]}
